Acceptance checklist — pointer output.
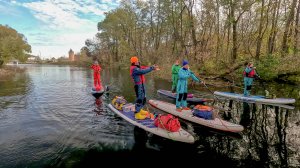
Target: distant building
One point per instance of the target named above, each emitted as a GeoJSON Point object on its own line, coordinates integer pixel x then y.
{"type": "Point", "coordinates": [62, 59]}
{"type": "Point", "coordinates": [53, 59]}
{"type": "Point", "coordinates": [71, 55]}
{"type": "Point", "coordinates": [32, 59]}
{"type": "Point", "coordinates": [77, 57]}
{"type": "Point", "coordinates": [13, 62]}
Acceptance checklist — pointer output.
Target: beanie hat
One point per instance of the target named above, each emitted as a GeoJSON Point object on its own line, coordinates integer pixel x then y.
{"type": "Point", "coordinates": [185, 62]}
{"type": "Point", "coordinates": [134, 59]}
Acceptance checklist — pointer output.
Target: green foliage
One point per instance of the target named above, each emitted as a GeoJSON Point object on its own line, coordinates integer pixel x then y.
{"type": "Point", "coordinates": [216, 35]}
{"type": "Point", "coordinates": [270, 67]}
{"type": "Point", "coordinates": [267, 67]}
{"type": "Point", "coordinates": [13, 45]}
{"type": "Point", "coordinates": [210, 66]}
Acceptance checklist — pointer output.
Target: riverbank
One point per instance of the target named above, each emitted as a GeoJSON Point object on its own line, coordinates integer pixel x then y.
{"type": "Point", "coordinates": [82, 63]}
{"type": "Point", "coordinates": [270, 69]}
{"type": "Point", "coordinates": [6, 72]}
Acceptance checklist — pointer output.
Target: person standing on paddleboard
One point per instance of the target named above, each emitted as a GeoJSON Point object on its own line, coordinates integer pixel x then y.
{"type": "Point", "coordinates": [183, 75]}
{"type": "Point", "coordinates": [175, 69]}
{"type": "Point", "coordinates": [137, 73]}
{"type": "Point", "coordinates": [249, 75]}
{"type": "Point", "coordinates": [97, 81]}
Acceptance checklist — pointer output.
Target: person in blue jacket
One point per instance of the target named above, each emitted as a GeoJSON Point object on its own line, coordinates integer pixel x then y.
{"type": "Point", "coordinates": [137, 73]}
{"type": "Point", "coordinates": [182, 86]}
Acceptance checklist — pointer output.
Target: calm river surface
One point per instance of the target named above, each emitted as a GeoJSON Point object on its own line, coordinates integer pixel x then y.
{"type": "Point", "coordinates": [48, 118]}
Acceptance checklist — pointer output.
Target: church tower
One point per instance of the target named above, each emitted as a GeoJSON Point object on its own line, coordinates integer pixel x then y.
{"type": "Point", "coordinates": [71, 55]}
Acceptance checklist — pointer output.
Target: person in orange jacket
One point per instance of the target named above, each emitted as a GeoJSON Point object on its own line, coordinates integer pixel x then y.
{"type": "Point", "coordinates": [97, 81]}
{"type": "Point", "coordinates": [137, 73]}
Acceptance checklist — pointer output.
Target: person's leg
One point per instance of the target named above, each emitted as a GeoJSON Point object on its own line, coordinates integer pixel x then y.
{"type": "Point", "coordinates": [248, 86]}
{"type": "Point", "coordinates": [178, 100]}
{"type": "Point", "coordinates": [98, 84]}
{"type": "Point", "coordinates": [143, 96]}
{"type": "Point", "coordinates": [136, 90]}
{"type": "Point", "coordinates": [99, 81]}
{"type": "Point", "coordinates": [139, 100]}
{"type": "Point", "coordinates": [176, 82]}
{"type": "Point", "coordinates": [173, 84]}
{"type": "Point", "coordinates": [245, 87]}
{"type": "Point", "coordinates": [95, 80]}
{"type": "Point", "coordinates": [184, 103]}
{"type": "Point", "coordinates": [140, 104]}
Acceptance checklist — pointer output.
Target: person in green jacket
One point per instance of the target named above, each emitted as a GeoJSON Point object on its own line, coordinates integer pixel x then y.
{"type": "Point", "coordinates": [175, 69]}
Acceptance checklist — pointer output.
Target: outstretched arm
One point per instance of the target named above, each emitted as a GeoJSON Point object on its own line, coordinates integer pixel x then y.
{"type": "Point", "coordinates": [139, 71]}
{"type": "Point", "coordinates": [194, 77]}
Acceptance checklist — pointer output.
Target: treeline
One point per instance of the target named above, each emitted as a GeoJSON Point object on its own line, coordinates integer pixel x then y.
{"type": "Point", "coordinates": [213, 34]}
{"type": "Point", "coordinates": [13, 45]}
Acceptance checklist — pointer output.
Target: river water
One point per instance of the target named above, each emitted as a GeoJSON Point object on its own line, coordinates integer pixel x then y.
{"type": "Point", "coordinates": [48, 118]}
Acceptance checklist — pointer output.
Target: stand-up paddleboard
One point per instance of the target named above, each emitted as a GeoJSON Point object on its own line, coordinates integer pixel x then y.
{"type": "Point", "coordinates": [148, 125]}
{"type": "Point", "coordinates": [260, 99]}
{"type": "Point", "coordinates": [277, 105]}
{"type": "Point", "coordinates": [99, 93]}
{"type": "Point", "coordinates": [216, 123]}
{"type": "Point", "coordinates": [189, 99]}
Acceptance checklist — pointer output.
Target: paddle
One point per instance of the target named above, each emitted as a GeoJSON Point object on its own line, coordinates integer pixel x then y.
{"type": "Point", "coordinates": [267, 93]}
{"type": "Point", "coordinates": [207, 87]}
{"type": "Point", "coordinates": [211, 92]}
{"type": "Point", "coordinates": [221, 109]}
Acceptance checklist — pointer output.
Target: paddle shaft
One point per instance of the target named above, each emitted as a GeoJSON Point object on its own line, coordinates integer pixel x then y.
{"type": "Point", "coordinates": [211, 92]}
{"type": "Point", "coordinates": [208, 88]}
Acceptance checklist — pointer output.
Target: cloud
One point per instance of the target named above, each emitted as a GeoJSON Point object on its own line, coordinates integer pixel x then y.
{"type": "Point", "coordinates": [54, 15]}
{"type": "Point", "coordinates": [66, 13]}
{"type": "Point", "coordinates": [65, 24]}
{"type": "Point", "coordinates": [8, 9]}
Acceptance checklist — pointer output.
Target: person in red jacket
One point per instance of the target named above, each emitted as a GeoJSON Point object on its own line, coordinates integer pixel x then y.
{"type": "Point", "coordinates": [97, 82]}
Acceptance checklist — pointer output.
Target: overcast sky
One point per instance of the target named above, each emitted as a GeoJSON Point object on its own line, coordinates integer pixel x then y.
{"type": "Point", "coordinates": [52, 27]}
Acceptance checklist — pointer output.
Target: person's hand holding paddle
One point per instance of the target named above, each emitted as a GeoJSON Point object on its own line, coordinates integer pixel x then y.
{"type": "Point", "coordinates": [156, 67]}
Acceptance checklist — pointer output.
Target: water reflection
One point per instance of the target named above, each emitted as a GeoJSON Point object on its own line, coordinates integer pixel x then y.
{"type": "Point", "coordinates": [264, 139]}
{"type": "Point", "coordinates": [99, 107]}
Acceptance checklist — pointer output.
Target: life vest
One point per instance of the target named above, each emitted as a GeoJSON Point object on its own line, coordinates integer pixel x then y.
{"type": "Point", "coordinates": [251, 74]}
{"type": "Point", "coordinates": [142, 77]}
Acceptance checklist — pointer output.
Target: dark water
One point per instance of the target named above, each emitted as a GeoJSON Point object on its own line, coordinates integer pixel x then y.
{"type": "Point", "coordinates": [48, 118]}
